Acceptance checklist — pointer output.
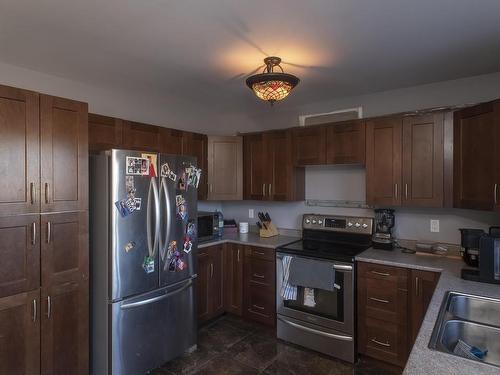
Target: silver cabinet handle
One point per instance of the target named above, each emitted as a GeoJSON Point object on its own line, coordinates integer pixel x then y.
{"type": "Point", "coordinates": [396, 191]}
{"type": "Point", "coordinates": [380, 273]}
{"type": "Point", "coordinates": [238, 255]}
{"type": "Point", "coordinates": [49, 307]}
{"type": "Point", "coordinates": [495, 194]}
{"type": "Point", "coordinates": [406, 191]}
{"type": "Point", "coordinates": [32, 193]}
{"type": "Point", "coordinates": [34, 311]}
{"type": "Point", "coordinates": [259, 307]}
{"type": "Point", "coordinates": [33, 233]}
{"type": "Point", "coordinates": [211, 270]}
{"type": "Point", "coordinates": [417, 282]}
{"type": "Point", "coordinates": [342, 267]}
{"type": "Point", "coordinates": [258, 252]}
{"type": "Point", "coordinates": [211, 186]}
{"type": "Point", "coordinates": [386, 344]}
{"type": "Point", "coordinates": [259, 276]}
{"type": "Point", "coordinates": [47, 193]}
{"type": "Point", "coordinates": [263, 190]}
{"type": "Point", "coordinates": [379, 300]}
{"type": "Point", "coordinates": [49, 231]}
{"type": "Point", "coordinates": [269, 190]}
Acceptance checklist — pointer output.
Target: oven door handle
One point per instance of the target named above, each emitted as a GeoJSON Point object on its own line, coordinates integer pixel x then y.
{"type": "Point", "coordinates": [315, 331]}
{"type": "Point", "coordinates": [338, 267]}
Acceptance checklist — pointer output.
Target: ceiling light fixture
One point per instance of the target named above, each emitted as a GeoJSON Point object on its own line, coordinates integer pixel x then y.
{"type": "Point", "coordinates": [270, 85]}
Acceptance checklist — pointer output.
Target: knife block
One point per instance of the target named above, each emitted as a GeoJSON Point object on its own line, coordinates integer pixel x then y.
{"type": "Point", "coordinates": [271, 230]}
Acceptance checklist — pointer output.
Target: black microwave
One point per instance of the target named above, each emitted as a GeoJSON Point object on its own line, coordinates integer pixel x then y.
{"type": "Point", "coordinates": [208, 226]}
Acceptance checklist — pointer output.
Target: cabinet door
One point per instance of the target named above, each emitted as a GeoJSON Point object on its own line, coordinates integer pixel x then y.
{"type": "Point", "coordinates": [171, 141]}
{"type": "Point", "coordinates": [65, 329]}
{"type": "Point", "coordinates": [309, 145]}
{"type": "Point", "coordinates": [19, 153]}
{"type": "Point", "coordinates": [254, 162]}
{"type": "Point", "coordinates": [233, 278]}
{"type": "Point", "coordinates": [423, 161]}
{"type": "Point", "coordinates": [216, 276]}
{"type": "Point", "coordinates": [225, 168]}
{"type": "Point", "coordinates": [345, 143]}
{"type": "Point", "coordinates": [196, 145]}
{"type": "Point", "coordinates": [475, 151]}
{"type": "Point", "coordinates": [104, 133]}
{"type": "Point", "coordinates": [203, 285]}
{"type": "Point", "coordinates": [496, 193]}
{"type": "Point", "coordinates": [64, 154]}
{"type": "Point", "coordinates": [286, 182]}
{"type": "Point", "coordinates": [422, 288]}
{"type": "Point", "coordinates": [20, 250]}
{"type": "Point", "coordinates": [383, 162]}
{"type": "Point", "coordinates": [141, 137]}
{"type": "Point", "coordinates": [64, 240]}
{"type": "Point", "coordinates": [20, 334]}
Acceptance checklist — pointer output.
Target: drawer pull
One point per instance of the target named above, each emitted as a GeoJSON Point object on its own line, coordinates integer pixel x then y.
{"type": "Point", "coordinates": [379, 300]}
{"type": "Point", "coordinates": [386, 344]}
{"type": "Point", "coordinates": [258, 252]}
{"type": "Point", "coordinates": [380, 273]}
{"type": "Point", "coordinates": [258, 276]}
{"type": "Point", "coordinates": [259, 307]}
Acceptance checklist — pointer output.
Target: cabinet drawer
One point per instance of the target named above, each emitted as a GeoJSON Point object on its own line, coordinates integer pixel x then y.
{"type": "Point", "coordinates": [379, 272]}
{"type": "Point", "coordinates": [261, 271]}
{"type": "Point", "coordinates": [260, 253]}
{"type": "Point", "coordinates": [381, 295]}
{"type": "Point", "coordinates": [260, 304]}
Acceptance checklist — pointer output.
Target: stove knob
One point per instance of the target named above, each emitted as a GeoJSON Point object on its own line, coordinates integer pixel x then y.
{"type": "Point", "coordinates": [314, 221]}
{"type": "Point", "coordinates": [308, 221]}
{"type": "Point", "coordinates": [365, 226]}
{"type": "Point", "coordinates": [349, 224]}
{"type": "Point", "coordinates": [320, 222]}
{"type": "Point", "coordinates": [357, 225]}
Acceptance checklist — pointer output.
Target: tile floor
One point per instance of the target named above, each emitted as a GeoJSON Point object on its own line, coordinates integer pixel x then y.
{"type": "Point", "coordinates": [231, 345]}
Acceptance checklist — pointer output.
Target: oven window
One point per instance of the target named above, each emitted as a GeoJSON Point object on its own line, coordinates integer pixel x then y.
{"type": "Point", "coordinates": [205, 226]}
{"type": "Point", "coordinates": [321, 302]}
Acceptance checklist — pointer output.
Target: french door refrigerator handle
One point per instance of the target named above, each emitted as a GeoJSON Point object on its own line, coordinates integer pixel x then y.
{"type": "Point", "coordinates": [157, 298]}
{"type": "Point", "coordinates": [152, 244]}
{"type": "Point", "coordinates": [164, 239]}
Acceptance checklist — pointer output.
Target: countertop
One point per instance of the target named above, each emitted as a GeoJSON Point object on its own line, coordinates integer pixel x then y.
{"type": "Point", "coordinates": [423, 360]}
{"type": "Point", "coordinates": [252, 239]}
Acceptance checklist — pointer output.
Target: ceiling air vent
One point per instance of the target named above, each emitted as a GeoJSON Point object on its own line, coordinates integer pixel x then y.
{"type": "Point", "coordinates": [329, 117]}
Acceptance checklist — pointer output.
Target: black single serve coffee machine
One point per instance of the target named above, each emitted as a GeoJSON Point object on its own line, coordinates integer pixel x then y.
{"type": "Point", "coordinates": [384, 222]}
{"type": "Point", "coordinates": [489, 259]}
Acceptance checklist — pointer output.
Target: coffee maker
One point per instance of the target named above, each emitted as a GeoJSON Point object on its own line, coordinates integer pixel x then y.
{"type": "Point", "coordinates": [384, 222]}
{"type": "Point", "coordinates": [489, 259]}
{"type": "Point", "coordinates": [470, 245]}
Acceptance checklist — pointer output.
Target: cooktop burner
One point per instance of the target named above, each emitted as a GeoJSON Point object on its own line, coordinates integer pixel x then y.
{"type": "Point", "coordinates": [332, 237]}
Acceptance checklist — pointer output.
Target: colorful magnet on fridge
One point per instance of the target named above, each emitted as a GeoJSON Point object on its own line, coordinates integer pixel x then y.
{"type": "Point", "coordinates": [129, 246]}
{"type": "Point", "coordinates": [130, 186]}
{"type": "Point", "coordinates": [188, 245]}
{"type": "Point", "coordinates": [125, 206]}
{"type": "Point", "coordinates": [149, 264]}
{"type": "Point", "coordinates": [193, 176]}
{"type": "Point", "coordinates": [191, 228]}
{"type": "Point", "coordinates": [137, 166]}
{"type": "Point", "coordinates": [180, 264]}
{"type": "Point", "coordinates": [182, 182]}
{"type": "Point", "coordinates": [182, 212]}
{"type": "Point", "coordinates": [179, 199]}
{"type": "Point", "coordinates": [152, 172]}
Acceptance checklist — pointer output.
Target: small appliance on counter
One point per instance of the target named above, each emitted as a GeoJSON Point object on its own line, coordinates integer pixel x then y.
{"type": "Point", "coordinates": [470, 245]}
{"type": "Point", "coordinates": [384, 222]}
{"type": "Point", "coordinates": [209, 226]}
{"type": "Point", "coordinates": [488, 257]}
{"type": "Point", "coordinates": [230, 226]}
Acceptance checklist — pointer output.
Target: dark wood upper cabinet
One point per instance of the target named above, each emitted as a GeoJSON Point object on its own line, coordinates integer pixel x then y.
{"type": "Point", "coordinates": [141, 137]}
{"type": "Point", "coordinates": [233, 278]}
{"type": "Point", "coordinates": [309, 145]}
{"type": "Point", "coordinates": [383, 161]}
{"type": "Point", "coordinates": [254, 166]}
{"type": "Point", "coordinates": [20, 334]}
{"type": "Point", "coordinates": [20, 249]}
{"type": "Point", "coordinates": [171, 141]}
{"type": "Point", "coordinates": [64, 154]}
{"type": "Point", "coordinates": [104, 133]}
{"type": "Point", "coordinates": [19, 160]}
{"type": "Point", "coordinates": [423, 161]}
{"type": "Point", "coordinates": [422, 285]}
{"type": "Point", "coordinates": [195, 144]}
{"type": "Point", "coordinates": [345, 143]}
{"type": "Point", "coordinates": [476, 146]}
{"type": "Point", "coordinates": [65, 327]}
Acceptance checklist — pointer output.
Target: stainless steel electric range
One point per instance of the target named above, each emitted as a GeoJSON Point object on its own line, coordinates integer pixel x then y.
{"type": "Point", "coordinates": [315, 286]}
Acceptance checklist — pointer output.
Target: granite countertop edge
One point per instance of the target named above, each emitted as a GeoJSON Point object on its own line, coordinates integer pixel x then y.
{"type": "Point", "coordinates": [422, 359]}
{"type": "Point", "coordinates": [251, 239]}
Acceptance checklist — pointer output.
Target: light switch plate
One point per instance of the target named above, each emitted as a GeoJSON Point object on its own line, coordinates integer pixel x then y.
{"type": "Point", "coordinates": [250, 213]}
{"type": "Point", "coordinates": [434, 226]}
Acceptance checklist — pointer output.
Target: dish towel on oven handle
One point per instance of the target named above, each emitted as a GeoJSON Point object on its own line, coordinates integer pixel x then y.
{"type": "Point", "coordinates": [312, 273]}
{"type": "Point", "coordinates": [288, 291]}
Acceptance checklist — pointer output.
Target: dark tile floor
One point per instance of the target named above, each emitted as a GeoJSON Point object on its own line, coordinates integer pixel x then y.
{"type": "Point", "coordinates": [231, 345]}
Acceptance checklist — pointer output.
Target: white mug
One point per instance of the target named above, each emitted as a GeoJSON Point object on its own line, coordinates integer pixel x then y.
{"type": "Point", "coordinates": [243, 227]}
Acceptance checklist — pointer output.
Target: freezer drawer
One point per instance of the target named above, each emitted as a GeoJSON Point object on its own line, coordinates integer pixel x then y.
{"type": "Point", "coordinates": [151, 329]}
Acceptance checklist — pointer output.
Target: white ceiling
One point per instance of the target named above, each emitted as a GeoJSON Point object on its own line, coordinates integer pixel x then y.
{"type": "Point", "coordinates": [197, 53]}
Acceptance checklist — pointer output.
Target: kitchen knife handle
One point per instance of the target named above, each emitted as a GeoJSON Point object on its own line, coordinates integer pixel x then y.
{"type": "Point", "coordinates": [49, 231]}
{"type": "Point", "coordinates": [33, 233]}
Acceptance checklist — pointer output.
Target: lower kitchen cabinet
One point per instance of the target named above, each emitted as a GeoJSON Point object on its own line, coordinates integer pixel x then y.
{"type": "Point", "coordinates": [210, 297]}
{"type": "Point", "coordinates": [20, 334]}
{"type": "Point", "coordinates": [233, 278]}
{"type": "Point", "coordinates": [392, 303]}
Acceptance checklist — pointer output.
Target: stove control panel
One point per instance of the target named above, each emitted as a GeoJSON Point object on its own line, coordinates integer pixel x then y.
{"type": "Point", "coordinates": [349, 224]}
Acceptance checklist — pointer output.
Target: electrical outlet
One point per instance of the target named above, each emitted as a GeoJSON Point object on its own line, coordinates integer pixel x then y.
{"type": "Point", "coordinates": [434, 226]}
{"type": "Point", "coordinates": [250, 213]}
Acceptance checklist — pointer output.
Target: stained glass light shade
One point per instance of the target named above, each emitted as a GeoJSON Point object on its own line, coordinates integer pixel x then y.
{"type": "Point", "coordinates": [272, 86]}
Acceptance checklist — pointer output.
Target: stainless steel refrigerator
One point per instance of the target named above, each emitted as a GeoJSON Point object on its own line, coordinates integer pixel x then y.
{"type": "Point", "coordinates": [143, 259]}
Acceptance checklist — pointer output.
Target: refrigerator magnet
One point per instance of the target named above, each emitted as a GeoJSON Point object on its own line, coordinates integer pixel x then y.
{"type": "Point", "coordinates": [179, 199]}
{"type": "Point", "coordinates": [129, 246]}
{"type": "Point", "coordinates": [191, 228]}
{"type": "Point", "coordinates": [137, 166]}
{"type": "Point", "coordinates": [193, 176]}
{"type": "Point", "coordinates": [170, 265]}
{"type": "Point", "coordinates": [182, 182]}
{"type": "Point", "coordinates": [148, 264]}
{"type": "Point", "coordinates": [182, 211]}
{"type": "Point", "coordinates": [130, 186]}
{"type": "Point", "coordinates": [125, 206]}
{"type": "Point", "coordinates": [188, 245]}
{"type": "Point", "coordinates": [165, 170]}
{"type": "Point", "coordinates": [152, 164]}
{"type": "Point", "coordinates": [180, 264]}
{"type": "Point", "coordinates": [172, 248]}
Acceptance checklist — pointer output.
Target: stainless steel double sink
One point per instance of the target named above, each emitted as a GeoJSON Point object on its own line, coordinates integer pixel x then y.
{"type": "Point", "coordinates": [473, 319]}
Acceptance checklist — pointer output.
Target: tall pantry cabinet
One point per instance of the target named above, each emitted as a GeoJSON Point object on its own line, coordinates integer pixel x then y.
{"type": "Point", "coordinates": [43, 234]}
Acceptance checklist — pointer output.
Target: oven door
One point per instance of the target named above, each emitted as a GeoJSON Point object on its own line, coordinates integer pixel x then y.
{"type": "Point", "coordinates": [332, 309]}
